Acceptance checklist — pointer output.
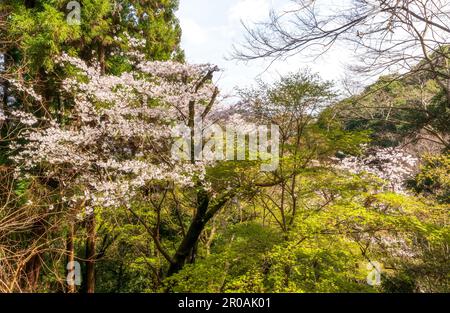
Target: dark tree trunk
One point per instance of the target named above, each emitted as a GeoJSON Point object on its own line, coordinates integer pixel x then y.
{"type": "Point", "coordinates": [34, 264]}
{"type": "Point", "coordinates": [188, 245]}
{"type": "Point", "coordinates": [193, 254]}
{"type": "Point", "coordinates": [33, 269]}
{"type": "Point", "coordinates": [90, 254]}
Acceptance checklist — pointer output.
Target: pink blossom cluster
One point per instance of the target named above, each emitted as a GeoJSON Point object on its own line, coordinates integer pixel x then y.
{"type": "Point", "coordinates": [21, 87]}
{"type": "Point", "coordinates": [25, 118]}
{"type": "Point", "coordinates": [393, 165]}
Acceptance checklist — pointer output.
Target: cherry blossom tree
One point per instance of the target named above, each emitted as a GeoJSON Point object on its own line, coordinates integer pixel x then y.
{"type": "Point", "coordinates": [116, 138]}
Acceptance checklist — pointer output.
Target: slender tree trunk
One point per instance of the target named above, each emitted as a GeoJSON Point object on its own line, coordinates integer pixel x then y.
{"type": "Point", "coordinates": [101, 58]}
{"type": "Point", "coordinates": [3, 104]}
{"type": "Point", "coordinates": [90, 227]}
{"type": "Point", "coordinates": [34, 264]}
{"type": "Point", "coordinates": [5, 87]}
{"type": "Point", "coordinates": [448, 93]}
{"type": "Point", "coordinates": [90, 254]}
{"type": "Point", "coordinates": [71, 254]}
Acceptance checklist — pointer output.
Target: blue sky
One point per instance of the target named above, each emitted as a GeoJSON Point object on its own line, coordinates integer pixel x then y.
{"type": "Point", "coordinates": [211, 27]}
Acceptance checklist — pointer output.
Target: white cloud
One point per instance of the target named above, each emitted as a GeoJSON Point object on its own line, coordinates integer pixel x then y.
{"type": "Point", "coordinates": [193, 33]}
{"type": "Point", "coordinates": [249, 10]}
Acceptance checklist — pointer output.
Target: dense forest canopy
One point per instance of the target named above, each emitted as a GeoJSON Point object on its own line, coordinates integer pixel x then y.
{"type": "Point", "coordinates": [340, 193]}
